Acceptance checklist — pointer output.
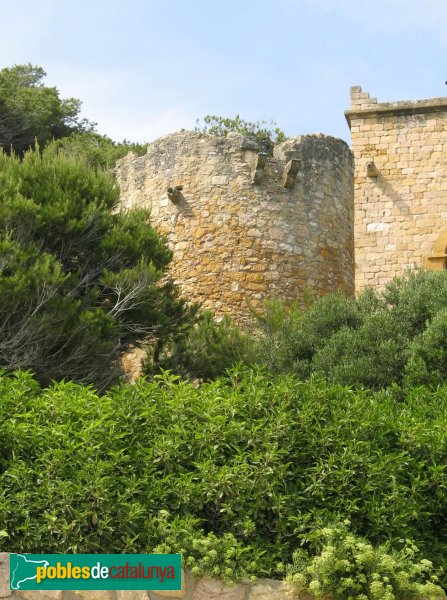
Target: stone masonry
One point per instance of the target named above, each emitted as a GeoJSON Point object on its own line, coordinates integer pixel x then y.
{"type": "Point", "coordinates": [204, 588]}
{"type": "Point", "coordinates": [400, 189]}
{"type": "Point", "coordinates": [244, 226]}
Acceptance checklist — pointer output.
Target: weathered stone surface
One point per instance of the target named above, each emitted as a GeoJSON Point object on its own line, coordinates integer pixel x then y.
{"type": "Point", "coordinates": [38, 594]}
{"type": "Point", "coordinates": [214, 589]}
{"type": "Point", "coordinates": [87, 595]}
{"type": "Point", "coordinates": [192, 589]}
{"type": "Point", "coordinates": [400, 212]}
{"type": "Point", "coordinates": [268, 589]}
{"type": "Point", "coordinates": [235, 214]}
{"type": "Point", "coordinates": [5, 592]}
{"type": "Point", "coordinates": [187, 583]}
{"type": "Point", "coordinates": [132, 363]}
{"type": "Point", "coordinates": [130, 595]}
{"type": "Point", "coordinates": [306, 596]}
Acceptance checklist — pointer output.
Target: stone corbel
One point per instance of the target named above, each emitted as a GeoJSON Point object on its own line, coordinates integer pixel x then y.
{"type": "Point", "coordinates": [438, 259]}
{"type": "Point", "coordinates": [258, 175]}
{"type": "Point", "coordinates": [436, 262]}
{"type": "Point", "coordinates": [290, 173]}
{"type": "Point", "coordinates": [175, 193]}
{"type": "Point", "coordinates": [371, 169]}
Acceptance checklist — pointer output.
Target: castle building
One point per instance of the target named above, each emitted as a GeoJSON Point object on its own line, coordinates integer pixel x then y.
{"type": "Point", "coordinates": [400, 186]}
{"type": "Point", "coordinates": [244, 226]}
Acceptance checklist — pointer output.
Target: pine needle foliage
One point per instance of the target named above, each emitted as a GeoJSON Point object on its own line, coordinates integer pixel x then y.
{"type": "Point", "coordinates": [80, 282]}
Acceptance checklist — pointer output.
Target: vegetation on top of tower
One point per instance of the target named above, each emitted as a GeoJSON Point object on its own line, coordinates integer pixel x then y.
{"type": "Point", "coordinates": [265, 133]}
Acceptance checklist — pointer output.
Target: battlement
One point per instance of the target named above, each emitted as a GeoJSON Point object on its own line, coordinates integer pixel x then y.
{"type": "Point", "coordinates": [362, 105]}
{"type": "Point", "coordinates": [242, 225]}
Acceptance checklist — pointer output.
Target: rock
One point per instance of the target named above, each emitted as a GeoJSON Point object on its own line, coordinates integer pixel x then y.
{"type": "Point", "coordinates": [214, 589]}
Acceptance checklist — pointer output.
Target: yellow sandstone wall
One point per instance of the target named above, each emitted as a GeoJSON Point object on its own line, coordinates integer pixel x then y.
{"type": "Point", "coordinates": [245, 226]}
{"type": "Point", "coordinates": [400, 186]}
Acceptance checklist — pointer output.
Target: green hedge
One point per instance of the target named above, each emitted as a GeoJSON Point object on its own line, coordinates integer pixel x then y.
{"type": "Point", "coordinates": [249, 466]}
{"type": "Point", "coordinates": [397, 337]}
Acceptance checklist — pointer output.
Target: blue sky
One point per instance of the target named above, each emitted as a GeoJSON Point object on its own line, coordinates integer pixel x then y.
{"type": "Point", "coordinates": [145, 68]}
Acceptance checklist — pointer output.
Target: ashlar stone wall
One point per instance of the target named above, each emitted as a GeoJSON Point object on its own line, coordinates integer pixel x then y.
{"type": "Point", "coordinates": [244, 226]}
{"type": "Point", "coordinates": [204, 588]}
{"type": "Point", "coordinates": [400, 189]}
{"type": "Point", "coordinates": [201, 589]}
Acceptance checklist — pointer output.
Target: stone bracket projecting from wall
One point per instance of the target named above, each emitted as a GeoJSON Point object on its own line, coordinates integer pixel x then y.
{"type": "Point", "coordinates": [290, 173]}
{"type": "Point", "coordinates": [438, 259]}
{"type": "Point", "coordinates": [291, 170]}
{"type": "Point", "coordinates": [175, 194]}
{"type": "Point", "coordinates": [258, 175]}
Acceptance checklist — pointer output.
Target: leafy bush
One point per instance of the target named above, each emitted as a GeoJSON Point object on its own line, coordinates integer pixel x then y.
{"type": "Point", "coordinates": [416, 298]}
{"type": "Point", "coordinates": [281, 346]}
{"type": "Point", "coordinates": [396, 338]}
{"type": "Point", "coordinates": [204, 351]}
{"type": "Point", "coordinates": [349, 568]}
{"type": "Point", "coordinates": [377, 340]}
{"type": "Point", "coordinates": [79, 281]}
{"type": "Point", "coordinates": [370, 355]}
{"type": "Point", "coordinates": [427, 353]}
{"type": "Point", "coordinates": [351, 341]}
{"type": "Point", "coordinates": [259, 462]}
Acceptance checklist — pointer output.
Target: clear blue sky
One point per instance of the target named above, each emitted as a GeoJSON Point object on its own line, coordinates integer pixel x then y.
{"type": "Point", "coordinates": [145, 68]}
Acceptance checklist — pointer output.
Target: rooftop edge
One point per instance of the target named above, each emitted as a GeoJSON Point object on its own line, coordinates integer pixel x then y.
{"type": "Point", "coordinates": [362, 105]}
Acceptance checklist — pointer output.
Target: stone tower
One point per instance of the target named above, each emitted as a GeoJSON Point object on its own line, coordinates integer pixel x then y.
{"type": "Point", "coordinates": [400, 189]}
{"type": "Point", "coordinates": [244, 226]}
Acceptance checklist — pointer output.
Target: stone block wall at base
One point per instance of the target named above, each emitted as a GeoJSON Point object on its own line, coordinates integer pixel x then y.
{"type": "Point", "coordinates": [192, 589]}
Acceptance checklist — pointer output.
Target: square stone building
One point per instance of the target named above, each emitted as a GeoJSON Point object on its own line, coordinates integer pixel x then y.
{"type": "Point", "coordinates": [400, 186]}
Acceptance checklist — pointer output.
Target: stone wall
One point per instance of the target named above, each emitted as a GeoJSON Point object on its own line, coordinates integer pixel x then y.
{"type": "Point", "coordinates": [192, 589]}
{"type": "Point", "coordinates": [203, 589]}
{"type": "Point", "coordinates": [244, 226]}
{"type": "Point", "coordinates": [400, 152]}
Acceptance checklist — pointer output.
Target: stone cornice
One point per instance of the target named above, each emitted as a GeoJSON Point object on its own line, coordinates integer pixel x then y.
{"type": "Point", "coordinates": [405, 107]}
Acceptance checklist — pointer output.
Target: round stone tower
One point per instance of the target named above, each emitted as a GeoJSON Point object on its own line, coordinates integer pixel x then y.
{"type": "Point", "coordinates": [244, 226]}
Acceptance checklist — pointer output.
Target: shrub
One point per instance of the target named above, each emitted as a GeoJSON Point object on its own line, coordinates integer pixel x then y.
{"type": "Point", "coordinates": [264, 133]}
{"type": "Point", "coordinates": [347, 567]}
{"type": "Point", "coordinates": [371, 355]}
{"type": "Point", "coordinates": [375, 341]}
{"type": "Point", "coordinates": [282, 346]}
{"type": "Point", "coordinates": [259, 462]}
{"type": "Point", "coordinates": [416, 298]}
{"type": "Point", "coordinates": [427, 353]}
{"type": "Point", "coordinates": [98, 151]}
{"type": "Point", "coordinates": [204, 351]}
{"type": "Point", "coordinates": [79, 281]}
